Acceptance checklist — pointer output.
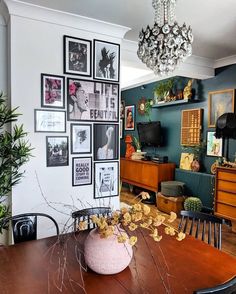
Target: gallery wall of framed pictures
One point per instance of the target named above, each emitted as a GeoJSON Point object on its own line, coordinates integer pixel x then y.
{"type": "Point", "coordinates": [89, 103]}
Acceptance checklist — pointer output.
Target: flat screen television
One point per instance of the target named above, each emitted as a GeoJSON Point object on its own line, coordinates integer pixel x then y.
{"type": "Point", "coordinates": [150, 133]}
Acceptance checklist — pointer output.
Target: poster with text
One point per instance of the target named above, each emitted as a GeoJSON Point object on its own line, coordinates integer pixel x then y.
{"type": "Point", "coordinates": [82, 171]}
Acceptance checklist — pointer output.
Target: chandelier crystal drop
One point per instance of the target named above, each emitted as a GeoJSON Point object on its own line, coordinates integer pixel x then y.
{"type": "Point", "coordinates": [166, 44]}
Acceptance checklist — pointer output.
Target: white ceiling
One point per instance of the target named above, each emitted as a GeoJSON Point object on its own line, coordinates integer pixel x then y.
{"type": "Point", "coordinates": [213, 21]}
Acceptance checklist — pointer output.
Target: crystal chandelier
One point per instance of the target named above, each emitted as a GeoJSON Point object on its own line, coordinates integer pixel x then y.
{"type": "Point", "coordinates": [166, 44]}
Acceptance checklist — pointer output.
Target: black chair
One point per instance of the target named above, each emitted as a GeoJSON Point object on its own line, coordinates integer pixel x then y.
{"type": "Point", "coordinates": [24, 226]}
{"type": "Point", "coordinates": [228, 287]}
{"type": "Point", "coordinates": [193, 222]}
{"type": "Point", "coordinates": [85, 214]}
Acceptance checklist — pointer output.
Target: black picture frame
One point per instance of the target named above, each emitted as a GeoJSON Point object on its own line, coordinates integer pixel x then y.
{"type": "Point", "coordinates": [49, 121]}
{"type": "Point", "coordinates": [121, 128]}
{"type": "Point", "coordinates": [81, 171]}
{"type": "Point", "coordinates": [52, 91]}
{"type": "Point", "coordinates": [106, 179]}
{"type": "Point", "coordinates": [105, 141]}
{"type": "Point", "coordinates": [81, 138]}
{"type": "Point", "coordinates": [106, 61]}
{"type": "Point", "coordinates": [89, 100]}
{"type": "Point", "coordinates": [57, 151]}
{"type": "Point", "coordinates": [77, 56]}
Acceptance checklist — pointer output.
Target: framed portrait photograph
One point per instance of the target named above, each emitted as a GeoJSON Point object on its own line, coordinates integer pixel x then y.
{"type": "Point", "coordinates": [52, 91]}
{"type": "Point", "coordinates": [219, 102]}
{"type": "Point", "coordinates": [121, 128]}
{"type": "Point", "coordinates": [106, 179]}
{"type": "Point", "coordinates": [106, 61]}
{"type": "Point", "coordinates": [130, 118]}
{"type": "Point", "coordinates": [214, 145]}
{"type": "Point", "coordinates": [92, 101]}
{"type": "Point", "coordinates": [81, 138]}
{"type": "Point", "coordinates": [186, 160]}
{"type": "Point", "coordinates": [77, 56]}
{"type": "Point", "coordinates": [122, 109]}
{"type": "Point", "coordinates": [105, 141]}
{"type": "Point", "coordinates": [50, 121]}
{"type": "Point", "coordinates": [57, 151]}
{"type": "Point", "coordinates": [81, 171]}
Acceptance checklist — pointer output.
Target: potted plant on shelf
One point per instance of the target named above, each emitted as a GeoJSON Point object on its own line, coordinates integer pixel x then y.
{"type": "Point", "coordinates": [163, 90]}
{"type": "Point", "coordinates": [14, 152]}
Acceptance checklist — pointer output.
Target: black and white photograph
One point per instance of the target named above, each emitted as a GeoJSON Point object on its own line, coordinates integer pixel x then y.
{"type": "Point", "coordinates": [52, 91]}
{"type": "Point", "coordinates": [106, 61]}
{"type": "Point", "coordinates": [50, 121]}
{"type": "Point", "coordinates": [106, 179]}
{"type": "Point", "coordinates": [82, 171]}
{"type": "Point", "coordinates": [57, 151]}
{"type": "Point", "coordinates": [81, 138]}
{"type": "Point", "coordinates": [77, 56]}
{"type": "Point", "coordinates": [92, 101]}
{"type": "Point", "coordinates": [105, 141]}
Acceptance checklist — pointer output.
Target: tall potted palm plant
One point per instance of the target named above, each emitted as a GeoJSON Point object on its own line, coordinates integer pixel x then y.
{"type": "Point", "coordinates": [14, 152]}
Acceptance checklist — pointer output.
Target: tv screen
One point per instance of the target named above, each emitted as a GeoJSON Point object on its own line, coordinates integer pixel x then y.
{"type": "Point", "coordinates": [150, 133]}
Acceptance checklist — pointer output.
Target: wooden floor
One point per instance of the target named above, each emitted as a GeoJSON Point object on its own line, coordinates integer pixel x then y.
{"type": "Point", "coordinates": [228, 237]}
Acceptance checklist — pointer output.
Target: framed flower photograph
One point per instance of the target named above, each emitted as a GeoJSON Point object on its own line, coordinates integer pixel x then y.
{"type": "Point", "coordinates": [106, 179]}
{"type": "Point", "coordinates": [214, 145]}
{"type": "Point", "coordinates": [50, 121]}
{"type": "Point", "coordinates": [81, 171]}
{"type": "Point", "coordinates": [219, 102]}
{"type": "Point", "coordinates": [77, 56]}
{"type": "Point", "coordinates": [92, 101]}
{"type": "Point", "coordinates": [105, 142]}
{"type": "Point", "coordinates": [106, 61]}
{"type": "Point", "coordinates": [57, 151]}
{"type": "Point", "coordinates": [52, 91]}
{"type": "Point", "coordinates": [130, 118]}
{"type": "Point", "coordinates": [81, 138]}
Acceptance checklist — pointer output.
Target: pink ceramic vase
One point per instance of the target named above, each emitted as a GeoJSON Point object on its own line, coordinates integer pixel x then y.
{"type": "Point", "coordinates": [105, 255]}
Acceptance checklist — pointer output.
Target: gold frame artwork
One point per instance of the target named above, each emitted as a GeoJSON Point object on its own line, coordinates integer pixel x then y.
{"type": "Point", "coordinates": [219, 102]}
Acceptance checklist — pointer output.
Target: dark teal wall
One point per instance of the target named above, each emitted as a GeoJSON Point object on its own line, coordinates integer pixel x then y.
{"type": "Point", "coordinates": [170, 116]}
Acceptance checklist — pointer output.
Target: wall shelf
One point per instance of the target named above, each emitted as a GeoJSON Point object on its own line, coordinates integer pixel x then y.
{"type": "Point", "coordinates": [176, 102]}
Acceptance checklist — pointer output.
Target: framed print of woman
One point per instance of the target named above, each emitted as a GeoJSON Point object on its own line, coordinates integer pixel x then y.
{"type": "Point", "coordinates": [130, 117]}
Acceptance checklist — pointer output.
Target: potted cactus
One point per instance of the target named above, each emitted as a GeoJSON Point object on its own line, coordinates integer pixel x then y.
{"type": "Point", "coordinates": [193, 204]}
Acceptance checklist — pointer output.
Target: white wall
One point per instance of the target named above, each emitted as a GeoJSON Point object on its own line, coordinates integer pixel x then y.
{"type": "Point", "coordinates": [37, 47]}
{"type": "Point", "coordinates": [3, 54]}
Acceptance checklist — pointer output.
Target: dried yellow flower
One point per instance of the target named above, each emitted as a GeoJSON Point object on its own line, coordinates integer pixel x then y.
{"type": "Point", "coordinates": [146, 209]}
{"type": "Point", "coordinates": [144, 195]}
{"type": "Point", "coordinates": [122, 238]}
{"type": "Point", "coordinates": [133, 240]}
{"type": "Point", "coordinates": [137, 207]}
{"type": "Point", "coordinates": [144, 225]}
{"type": "Point", "coordinates": [170, 231]}
{"type": "Point", "coordinates": [82, 226]}
{"type": "Point", "coordinates": [172, 217]}
{"type": "Point", "coordinates": [127, 217]}
{"type": "Point", "coordinates": [95, 219]}
{"type": "Point", "coordinates": [137, 216]}
{"type": "Point", "coordinates": [158, 220]}
{"type": "Point", "coordinates": [124, 210]}
{"type": "Point", "coordinates": [181, 236]}
{"type": "Point", "coordinates": [157, 238]}
{"type": "Point", "coordinates": [132, 227]}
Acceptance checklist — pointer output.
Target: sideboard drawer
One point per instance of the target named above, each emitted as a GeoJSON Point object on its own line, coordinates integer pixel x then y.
{"type": "Point", "coordinates": [227, 198]}
{"type": "Point", "coordinates": [226, 186]}
{"type": "Point", "coordinates": [226, 210]}
{"type": "Point", "coordinates": [228, 176]}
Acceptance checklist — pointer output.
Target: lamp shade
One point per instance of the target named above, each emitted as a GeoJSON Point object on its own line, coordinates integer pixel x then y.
{"type": "Point", "coordinates": [226, 126]}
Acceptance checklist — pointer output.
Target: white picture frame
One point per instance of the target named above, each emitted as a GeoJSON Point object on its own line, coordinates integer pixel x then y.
{"type": "Point", "coordinates": [214, 145]}
{"type": "Point", "coordinates": [50, 121]}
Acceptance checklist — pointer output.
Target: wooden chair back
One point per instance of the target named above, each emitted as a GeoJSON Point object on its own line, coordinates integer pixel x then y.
{"type": "Point", "coordinates": [202, 225]}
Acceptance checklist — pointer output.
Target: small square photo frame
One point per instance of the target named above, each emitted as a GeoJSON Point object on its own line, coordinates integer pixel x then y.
{"type": "Point", "coordinates": [52, 91]}
{"type": "Point", "coordinates": [106, 61]}
{"type": "Point", "coordinates": [49, 121]}
{"type": "Point", "coordinates": [81, 138]}
{"type": "Point", "coordinates": [214, 145]}
{"type": "Point", "coordinates": [57, 151]}
{"type": "Point", "coordinates": [106, 179]}
{"type": "Point", "coordinates": [81, 171]}
{"type": "Point", "coordinates": [219, 102]}
{"type": "Point", "coordinates": [106, 141]}
{"type": "Point", "coordinates": [77, 56]}
{"type": "Point", "coordinates": [130, 117]}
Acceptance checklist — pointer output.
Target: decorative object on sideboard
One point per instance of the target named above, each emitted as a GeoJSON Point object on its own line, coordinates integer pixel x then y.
{"type": "Point", "coordinates": [129, 147]}
{"type": "Point", "coordinates": [166, 44]}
